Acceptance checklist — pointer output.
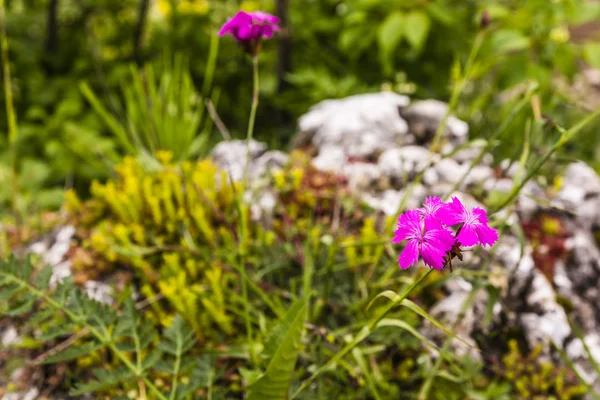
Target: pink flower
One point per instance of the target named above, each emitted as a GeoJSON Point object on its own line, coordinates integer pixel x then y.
{"type": "Point", "coordinates": [432, 242]}
{"type": "Point", "coordinates": [250, 27]}
{"type": "Point", "coordinates": [433, 210]}
{"type": "Point", "coordinates": [474, 229]}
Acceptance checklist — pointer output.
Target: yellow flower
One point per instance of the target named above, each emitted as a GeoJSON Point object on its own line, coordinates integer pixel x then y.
{"type": "Point", "coordinates": [198, 7]}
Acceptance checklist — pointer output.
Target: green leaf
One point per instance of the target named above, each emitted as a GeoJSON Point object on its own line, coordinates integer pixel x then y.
{"type": "Point", "coordinates": [417, 25]}
{"type": "Point", "coordinates": [415, 308]}
{"type": "Point", "coordinates": [74, 352]}
{"type": "Point", "coordinates": [106, 380]}
{"type": "Point", "coordinates": [42, 280]}
{"type": "Point", "coordinates": [22, 308]}
{"type": "Point", "coordinates": [8, 292]}
{"type": "Point", "coordinates": [389, 35]}
{"type": "Point", "coordinates": [508, 40]}
{"type": "Point", "coordinates": [591, 51]}
{"type": "Point", "coordinates": [275, 382]}
{"type": "Point", "coordinates": [278, 334]}
{"type": "Point", "coordinates": [54, 332]}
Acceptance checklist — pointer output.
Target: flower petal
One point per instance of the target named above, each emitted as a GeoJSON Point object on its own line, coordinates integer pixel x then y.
{"type": "Point", "coordinates": [486, 234]}
{"type": "Point", "coordinates": [262, 16]}
{"type": "Point", "coordinates": [409, 225]}
{"type": "Point", "coordinates": [436, 244]}
{"type": "Point", "coordinates": [409, 255]}
{"type": "Point", "coordinates": [467, 235]}
{"type": "Point", "coordinates": [241, 19]}
{"type": "Point", "coordinates": [481, 215]}
{"type": "Point", "coordinates": [453, 212]}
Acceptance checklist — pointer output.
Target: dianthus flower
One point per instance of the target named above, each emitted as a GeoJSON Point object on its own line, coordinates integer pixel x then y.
{"type": "Point", "coordinates": [431, 241]}
{"type": "Point", "coordinates": [474, 229]}
{"type": "Point", "coordinates": [248, 28]}
{"type": "Point", "coordinates": [432, 211]}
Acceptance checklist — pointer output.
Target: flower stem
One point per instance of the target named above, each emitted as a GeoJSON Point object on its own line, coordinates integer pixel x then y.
{"type": "Point", "coordinates": [253, 107]}
{"type": "Point", "coordinates": [243, 215]}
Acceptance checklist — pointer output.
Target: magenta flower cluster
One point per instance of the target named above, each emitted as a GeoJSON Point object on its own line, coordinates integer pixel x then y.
{"type": "Point", "coordinates": [249, 28]}
{"type": "Point", "coordinates": [429, 234]}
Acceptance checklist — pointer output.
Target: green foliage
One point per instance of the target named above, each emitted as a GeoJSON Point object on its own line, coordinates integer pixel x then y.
{"type": "Point", "coordinates": [161, 114]}
{"type": "Point", "coordinates": [282, 347]}
{"type": "Point", "coordinates": [536, 380]}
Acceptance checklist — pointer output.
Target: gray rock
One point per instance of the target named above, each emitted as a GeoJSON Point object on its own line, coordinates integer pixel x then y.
{"type": "Point", "coordinates": [267, 163]}
{"type": "Point", "coordinates": [471, 152]}
{"type": "Point", "coordinates": [424, 116]}
{"type": "Point", "coordinates": [361, 176]}
{"type": "Point", "coordinates": [581, 194]}
{"type": "Point", "coordinates": [53, 249]}
{"type": "Point", "coordinates": [449, 171]}
{"type": "Point", "coordinates": [478, 177]}
{"type": "Point", "coordinates": [99, 291]}
{"type": "Point", "coordinates": [10, 336]}
{"type": "Point", "coordinates": [363, 125]}
{"type": "Point", "coordinates": [330, 158]}
{"type": "Point", "coordinates": [231, 156]}
{"type": "Point", "coordinates": [404, 163]}
{"type": "Point", "coordinates": [448, 311]}
{"type": "Point", "coordinates": [30, 394]}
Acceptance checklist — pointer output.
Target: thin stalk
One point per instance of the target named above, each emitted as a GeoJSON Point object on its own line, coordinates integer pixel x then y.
{"type": "Point", "coordinates": [458, 89]}
{"type": "Point", "coordinates": [490, 142]}
{"type": "Point", "coordinates": [10, 111]}
{"type": "Point", "coordinates": [253, 108]}
{"type": "Point", "coordinates": [242, 221]}
{"type": "Point", "coordinates": [565, 137]}
{"type": "Point", "coordinates": [362, 335]}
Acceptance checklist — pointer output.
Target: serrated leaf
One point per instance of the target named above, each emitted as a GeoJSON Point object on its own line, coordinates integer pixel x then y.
{"type": "Point", "coordinates": [275, 382]}
{"type": "Point", "coordinates": [42, 280]}
{"type": "Point", "coordinates": [151, 359]}
{"type": "Point", "coordinates": [389, 36]}
{"type": "Point", "coordinates": [417, 25]}
{"type": "Point", "coordinates": [74, 352]}
{"type": "Point", "coordinates": [57, 331]}
{"type": "Point", "coordinates": [40, 317]}
{"type": "Point", "coordinates": [7, 292]}
{"type": "Point", "coordinates": [106, 380]}
{"type": "Point", "coordinates": [22, 308]}
{"type": "Point", "coordinates": [204, 373]}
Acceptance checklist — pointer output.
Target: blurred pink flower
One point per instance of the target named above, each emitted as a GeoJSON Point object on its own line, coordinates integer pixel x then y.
{"type": "Point", "coordinates": [250, 26]}
{"type": "Point", "coordinates": [474, 229]}
{"type": "Point", "coordinates": [431, 241]}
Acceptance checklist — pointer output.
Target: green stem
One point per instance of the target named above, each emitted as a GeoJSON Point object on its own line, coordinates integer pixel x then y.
{"type": "Point", "coordinates": [243, 216]}
{"type": "Point", "coordinates": [253, 108]}
{"type": "Point", "coordinates": [458, 89]}
{"type": "Point", "coordinates": [362, 335]}
{"type": "Point", "coordinates": [565, 137]}
{"type": "Point", "coordinates": [10, 111]}
{"type": "Point", "coordinates": [176, 368]}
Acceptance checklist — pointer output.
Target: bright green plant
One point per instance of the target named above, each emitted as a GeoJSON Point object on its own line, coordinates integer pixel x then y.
{"type": "Point", "coordinates": [162, 111]}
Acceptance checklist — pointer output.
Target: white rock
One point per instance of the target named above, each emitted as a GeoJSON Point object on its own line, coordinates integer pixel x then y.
{"type": "Point", "coordinates": [230, 156]}
{"type": "Point", "coordinates": [363, 125]}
